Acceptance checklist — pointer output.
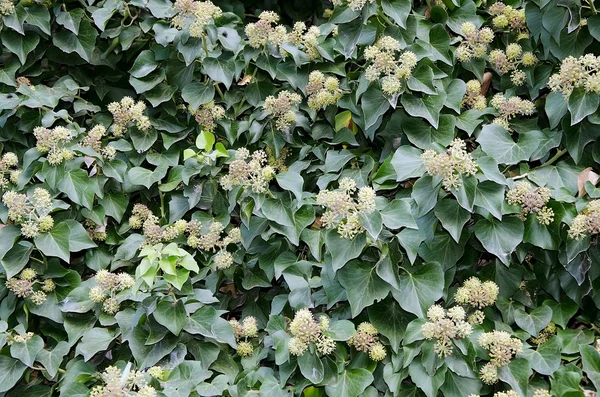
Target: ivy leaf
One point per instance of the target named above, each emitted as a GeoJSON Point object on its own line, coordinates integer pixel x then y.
{"type": "Point", "coordinates": [363, 285]}
{"type": "Point", "coordinates": [11, 371]}
{"type": "Point", "coordinates": [390, 320]}
{"type": "Point", "coordinates": [546, 359]}
{"type": "Point", "coordinates": [420, 287]}
{"type": "Point", "coordinates": [20, 45]}
{"type": "Point", "coordinates": [428, 107]}
{"type": "Point", "coordinates": [452, 217]}
{"type": "Point", "coordinates": [516, 374]}
{"type": "Point", "coordinates": [407, 163]}
{"type": "Point", "coordinates": [423, 135]}
{"type": "Point", "coordinates": [350, 383]}
{"type": "Point", "coordinates": [78, 187]}
{"type": "Point", "coordinates": [490, 196]}
{"type": "Point", "coordinates": [311, 367]}
{"type": "Point", "coordinates": [591, 363]}
{"type": "Point", "coordinates": [500, 237]}
{"type": "Point", "coordinates": [55, 242]}
{"type": "Point", "coordinates": [398, 10]}
{"type": "Point", "coordinates": [374, 105]}
{"type": "Point", "coordinates": [27, 351]}
{"type": "Point", "coordinates": [51, 359]}
{"type": "Point", "coordinates": [17, 258]}
{"type": "Point", "coordinates": [171, 315]}
{"type": "Point", "coordinates": [429, 384]}
{"type": "Point", "coordinates": [342, 250]}
{"type": "Point", "coordinates": [219, 69]}
{"type": "Point", "coordinates": [456, 385]}
{"type": "Point", "coordinates": [535, 321]}
{"type": "Point", "coordinates": [349, 34]}
{"type": "Point", "coordinates": [95, 340]}
{"type": "Point", "coordinates": [82, 43]}
{"type": "Point", "coordinates": [196, 94]}
{"type": "Point", "coordinates": [581, 104]}
{"type": "Point", "coordinates": [556, 108]}
{"type": "Point", "coordinates": [496, 142]}
{"type": "Point", "coordinates": [562, 311]}
{"type": "Point", "coordinates": [145, 177]}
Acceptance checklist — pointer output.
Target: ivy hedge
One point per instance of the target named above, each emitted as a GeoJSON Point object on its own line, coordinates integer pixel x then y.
{"type": "Point", "coordinates": [299, 198]}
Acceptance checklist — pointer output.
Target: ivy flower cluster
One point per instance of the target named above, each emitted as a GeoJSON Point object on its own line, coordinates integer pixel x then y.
{"type": "Point", "coordinates": [109, 284]}
{"type": "Point", "coordinates": [306, 39]}
{"type": "Point", "coordinates": [532, 200]}
{"type": "Point", "coordinates": [93, 139]}
{"type": "Point", "coordinates": [502, 348]}
{"type": "Point", "coordinates": [510, 60]}
{"type": "Point", "coordinates": [342, 209]}
{"type": "Point", "coordinates": [576, 73]}
{"type": "Point", "coordinates": [587, 222]}
{"type": "Point", "coordinates": [195, 15]}
{"type": "Point", "coordinates": [306, 330]}
{"type": "Point", "coordinates": [355, 5]}
{"type": "Point", "coordinates": [322, 91]}
{"type": "Point", "coordinates": [9, 171]}
{"type": "Point", "coordinates": [249, 171]}
{"type": "Point", "coordinates": [6, 7]}
{"type": "Point", "coordinates": [208, 115]}
{"type": "Point", "coordinates": [509, 108]}
{"type": "Point", "coordinates": [476, 293]}
{"type": "Point", "coordinates": [266, 32]}
{"type": "Point", "coordinates": [142, 218]}
{"type": "Point", "coordinates": [384, 62]}
{"type": "Point", "coordinates": [31, 212]}
{"type": "Point", "coordinates": [366, 340]}
{"type": "Point", "coordinates": [450, 165]}
{"type": "Point", "coordinates": [475, 43]}
{"type": "Point", "coordinates": [242, 331]}
{"type": "Point", "coordinates": [473, 98]}
{"type": "Point", "coordinates": [214, 240]}
{"type": "Point", "coordinates": [126, 114]}
{"type": "Point", "coordinates": [507, 17]}
{"type": "Point", "coordinates": [444, 326]}
{"type": "Point", "coordinates": [282, 109]}
{"type": "Point", "coordinates": [18, 338]}
{"type": "Point", "coordinates": [545, 334]}
{"type": "Point", "coordinates": [53, 142]}
{"type": "Point", "coordinates": [26, 284]}
{"type": "Point", "coordinates": [95, 231]}
{"type": "Point", "coordinates": [117, 384]}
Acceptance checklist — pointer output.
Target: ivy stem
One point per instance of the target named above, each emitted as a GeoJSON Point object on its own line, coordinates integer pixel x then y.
{"type": "Point", "coordinates": [553, 159]}
{"type": "Point", "coordinates": [219, 91]}
{"type": "Point", "coordinates": [162, 204]}
{"type": "Point", "coordinates": [593, 7]}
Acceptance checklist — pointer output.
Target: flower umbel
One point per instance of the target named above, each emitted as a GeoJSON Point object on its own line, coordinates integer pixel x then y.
{"type": "Point", "coordinates": [444, 326]}
{"type": "Point", "coordinates": [587, 222]}
{"type": "Point", "coordinates": [126, 114]}
{"type": "Point", "coordinates": [574, 73]}
{"type": "Point", "coordinates": [249, 171]}
{"type": "Point", "coordinates": [532, 200]}
{"type": "Point", "coordinates": [282, 109]}
{"type": "Point", "coordinates": [391, 70]}
{"type": "Point", "coordinates": [502, 348]}
{"type": "Point", "coordinates": [31, 212]}
{"type": "Point", "coordinates": [342, 209]}
{"type": "Point", "coordinates": [322, 91]}
{"type": "Point", "coordinates": [450, 165]}
{"type": "Point", "coordinates": [195, 16]}
{"type": "Point", "coordinates": [366, 340]}
{"type": "Point", "coordinates": [306, 329]}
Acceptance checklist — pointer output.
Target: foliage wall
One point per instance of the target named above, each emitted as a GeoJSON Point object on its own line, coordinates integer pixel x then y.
{"type": "Point", "coordinates": [365, 198]}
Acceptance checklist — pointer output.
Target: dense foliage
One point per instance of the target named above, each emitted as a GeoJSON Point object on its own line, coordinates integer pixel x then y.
{"type": "Point", "coordinates": [364, 198]}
